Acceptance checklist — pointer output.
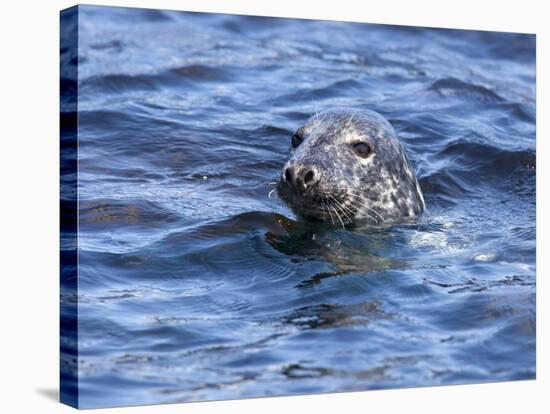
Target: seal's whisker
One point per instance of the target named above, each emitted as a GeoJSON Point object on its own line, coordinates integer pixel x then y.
{"type": "Point", "coordinates": [339, 208]}
{"type": "Point", "coordinates": [328, 209]}
{"type": "Point", "coordinates": [331, 208]}
{"type": "Point", "coordinates": [272, 183]}
{"type": "Point", "coordinates": [271, 192]}
{"type": "Point", "coordinates": [342, 207]}
{"type": "Point", "coordinates": [358, 206]}
{"type": "Point", "coordinates": [374, 219]}
{"type": "Point", "coordinates": [340, 218]}
{"type": "Point", "coordinates": [335, 208]}
{"type": "Point", "coordinates": [359, 193]}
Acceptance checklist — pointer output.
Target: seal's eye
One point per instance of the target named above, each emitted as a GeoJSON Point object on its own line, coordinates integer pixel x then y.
{"type": "Point", "coordinates": [296, 140]}
{"type": "Point", "coordinates": [362, 149]}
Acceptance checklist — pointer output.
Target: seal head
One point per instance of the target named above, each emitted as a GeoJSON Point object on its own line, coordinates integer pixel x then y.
{"type": "Point", "coordinates": [346, 166]}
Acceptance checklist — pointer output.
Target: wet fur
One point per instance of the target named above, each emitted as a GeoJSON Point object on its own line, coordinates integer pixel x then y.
{"type": "Point", "coordinates": [379, 188]}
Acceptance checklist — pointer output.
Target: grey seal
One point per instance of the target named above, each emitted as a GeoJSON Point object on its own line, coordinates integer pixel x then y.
{"type": "Point", "coordinates": [347, 166]}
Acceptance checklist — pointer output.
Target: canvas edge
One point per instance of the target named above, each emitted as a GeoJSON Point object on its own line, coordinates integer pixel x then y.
{"type": "Point", "coordinates": [68, 200]}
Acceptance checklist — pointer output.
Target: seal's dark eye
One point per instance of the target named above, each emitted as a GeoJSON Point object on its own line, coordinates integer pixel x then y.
{"type": "Point", "coordinates": [296, 140]}
{"type": "Point", "coordinates": [362, 149]}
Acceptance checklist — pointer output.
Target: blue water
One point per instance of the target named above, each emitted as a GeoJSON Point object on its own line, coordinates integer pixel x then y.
{"type": "Point", "coordinates": [195, 285]}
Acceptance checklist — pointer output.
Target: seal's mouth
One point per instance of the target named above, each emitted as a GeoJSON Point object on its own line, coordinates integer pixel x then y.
{"type": "Point", "coordinates": [318, 204]}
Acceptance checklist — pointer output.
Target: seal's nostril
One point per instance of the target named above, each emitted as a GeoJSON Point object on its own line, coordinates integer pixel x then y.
{"type": "Point", "coordinates": [308, 178]}
{"type": "Point", "coordinates": [301, 177]}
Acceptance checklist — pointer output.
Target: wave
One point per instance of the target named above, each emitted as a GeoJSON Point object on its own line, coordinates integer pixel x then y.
{"type": "Point", "coordinates": [486, 157]}
{"type": "Point", "coordinates": [342, 87]}
{"type": "Point", "coordinates": [458, 88]}
{"type": "Point", "coordinates": [186, 76]}
{"type": "Point", "coordinates": [474, 170]}
{"type": "Point", "coordinates": [100, 214]}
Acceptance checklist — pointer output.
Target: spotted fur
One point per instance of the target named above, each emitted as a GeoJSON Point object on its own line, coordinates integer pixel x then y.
{"type": "Point", "coordinates": [381, 187]}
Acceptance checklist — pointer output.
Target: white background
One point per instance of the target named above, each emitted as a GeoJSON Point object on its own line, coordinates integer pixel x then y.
{"type": "Point", "coordinates": [29, 145]}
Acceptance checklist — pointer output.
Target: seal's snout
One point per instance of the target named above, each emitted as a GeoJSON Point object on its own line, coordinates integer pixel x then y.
{"type": "Point", "coordinates": [302, 177]}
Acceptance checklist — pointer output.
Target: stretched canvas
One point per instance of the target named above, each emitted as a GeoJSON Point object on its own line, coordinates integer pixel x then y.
{"type": "Point", "coordinates": [256, 206]}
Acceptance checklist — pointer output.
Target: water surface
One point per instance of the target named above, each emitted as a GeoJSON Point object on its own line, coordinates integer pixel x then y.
{"type": "Point", "coordinates": [195, 285]}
